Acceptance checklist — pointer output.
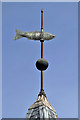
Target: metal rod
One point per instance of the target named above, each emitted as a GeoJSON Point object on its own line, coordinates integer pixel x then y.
{"type": "Point", "coordinates": [41, 50]}
{"type": "Point", "coordinates": [41, 70]}
{"type": "Point", "coordinates": [41, 80]}
{"type": "Point", "coordinates": [42, 20]}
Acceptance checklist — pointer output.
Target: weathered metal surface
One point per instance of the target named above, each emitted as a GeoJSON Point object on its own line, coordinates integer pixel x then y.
{"type": "Point", "coordinates": [41, 64]}
{"type": "Point", "coordinates": [42, 91]}
{"type": "Point", "coordinates": [41, 109]}
{"type": "Point", "coordinates": [36, 35]}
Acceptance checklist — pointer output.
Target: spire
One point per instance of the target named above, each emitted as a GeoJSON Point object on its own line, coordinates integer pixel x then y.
{"type": "Point", "coordinates": [41, 107]}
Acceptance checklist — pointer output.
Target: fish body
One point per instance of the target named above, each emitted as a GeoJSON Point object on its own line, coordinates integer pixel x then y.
{"type": "Point", "coordinates": [36, 35]}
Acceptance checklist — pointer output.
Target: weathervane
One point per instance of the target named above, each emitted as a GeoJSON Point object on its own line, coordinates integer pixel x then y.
{"type": "Point", "coordinates": [41, 36]}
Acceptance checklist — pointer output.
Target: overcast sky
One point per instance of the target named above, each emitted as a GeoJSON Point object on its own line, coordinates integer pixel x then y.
{"type": "Point", "coordinates": [20, 78]}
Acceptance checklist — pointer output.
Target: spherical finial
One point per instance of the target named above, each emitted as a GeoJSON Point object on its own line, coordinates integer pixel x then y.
{"type": "Point", "coordinates": [42, 64]}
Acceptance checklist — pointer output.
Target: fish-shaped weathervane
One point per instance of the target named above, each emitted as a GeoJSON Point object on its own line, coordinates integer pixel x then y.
{"type": "Point", "coordinates": [35, 35]}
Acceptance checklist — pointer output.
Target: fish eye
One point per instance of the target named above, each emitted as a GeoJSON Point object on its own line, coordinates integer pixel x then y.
{"type": "Point", "coordinates": [54, 36]}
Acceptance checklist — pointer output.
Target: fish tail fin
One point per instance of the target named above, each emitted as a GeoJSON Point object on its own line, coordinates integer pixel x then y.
{"type": "Point", "coordinates": [18, 34]}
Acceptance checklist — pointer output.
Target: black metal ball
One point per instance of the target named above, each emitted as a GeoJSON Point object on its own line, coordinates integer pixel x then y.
{"type": "Point", "coordinates": [42, 64]}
